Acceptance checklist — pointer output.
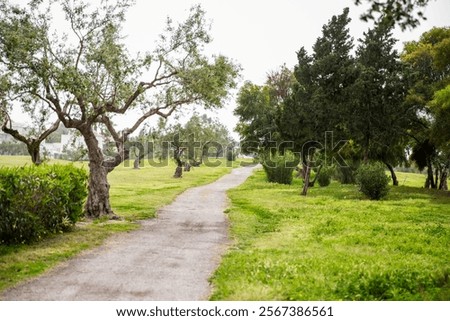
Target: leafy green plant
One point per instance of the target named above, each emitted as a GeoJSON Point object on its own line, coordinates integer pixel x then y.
{"type": "Point", "coordinates": [279, 168]}
{"type": "Point", "coordinates": [324, 178]}
{"type": "Point", "coordinates": [37, 201]}
{"type": "Point", "coordinates": [372, 180]}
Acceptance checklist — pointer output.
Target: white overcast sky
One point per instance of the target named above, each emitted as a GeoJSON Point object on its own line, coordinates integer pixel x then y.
{"type": "Point", "coordinates": [260, 35]}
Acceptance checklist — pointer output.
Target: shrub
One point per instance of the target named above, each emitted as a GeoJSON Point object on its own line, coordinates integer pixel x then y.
{"type": "Point", "coordinates": [279, 168]}
{"type": "Point", "coordinates": [324, 178]}
{"type": "Point", "coordinates": [372, 180]}
{"type": "Point", "coordinates": [36, 201]}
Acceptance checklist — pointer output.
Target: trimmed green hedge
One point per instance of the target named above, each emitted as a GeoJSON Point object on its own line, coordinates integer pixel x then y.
{"type": "Point", "coordinates": [39, 200]}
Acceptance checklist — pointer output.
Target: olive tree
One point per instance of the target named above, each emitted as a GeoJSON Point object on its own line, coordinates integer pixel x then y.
{"type": "Point", "coordinates": [87, 77]}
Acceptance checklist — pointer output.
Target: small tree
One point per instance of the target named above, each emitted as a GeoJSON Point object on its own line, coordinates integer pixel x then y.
{"type": "Point", "coordinates": [33, 139]}
{"type": "Point", "coordinates": [87, 77]}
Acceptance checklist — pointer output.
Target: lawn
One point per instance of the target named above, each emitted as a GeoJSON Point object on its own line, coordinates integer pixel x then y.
{"type": "Point", "coordinates": [135, 195]}
{"type": "Point", "coordinates": [335, 244]}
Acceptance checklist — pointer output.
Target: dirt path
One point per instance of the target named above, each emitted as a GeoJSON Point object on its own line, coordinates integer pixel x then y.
{"type": "Point", "coordinates": [169, 258]}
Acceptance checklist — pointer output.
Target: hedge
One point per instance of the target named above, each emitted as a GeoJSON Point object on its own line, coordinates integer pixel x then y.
{"type": "Point", "coordinates": [36, 201]}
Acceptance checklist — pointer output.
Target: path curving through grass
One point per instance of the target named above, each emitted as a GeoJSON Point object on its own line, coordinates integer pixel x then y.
{"type": "Point", "coordinates": [168, 258]}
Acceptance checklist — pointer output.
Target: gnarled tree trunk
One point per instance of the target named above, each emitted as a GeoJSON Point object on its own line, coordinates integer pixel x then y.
{"type": "Point", "coordinates": [34, 149]}
{"type": "Point", "coordinates": [179, 170]}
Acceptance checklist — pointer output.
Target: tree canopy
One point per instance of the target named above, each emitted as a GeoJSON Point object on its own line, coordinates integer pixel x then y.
{"type": "Point", "coordinates": [407, 13]}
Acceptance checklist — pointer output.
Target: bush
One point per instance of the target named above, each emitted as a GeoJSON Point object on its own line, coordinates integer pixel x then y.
{"type": "Point", "coordinates": [279, 168]}
{"type": "Point", "coordinates": [324, 178]}
{"type": "Point", "coordinates": [37, 201]}
{"type": "Point", "coordinates": [372, 180]}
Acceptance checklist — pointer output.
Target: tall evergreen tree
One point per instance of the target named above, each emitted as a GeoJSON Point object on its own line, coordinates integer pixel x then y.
{"type": "Point", "coordinates": [320, 99]}
{"type": "Point", "coordinates": [380, 118]}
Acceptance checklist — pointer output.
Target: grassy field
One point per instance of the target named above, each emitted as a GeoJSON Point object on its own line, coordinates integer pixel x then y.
{"type": "Point", "coordinates": [135, 194]}
{"type": "Point", "coordinates": [336, 245]}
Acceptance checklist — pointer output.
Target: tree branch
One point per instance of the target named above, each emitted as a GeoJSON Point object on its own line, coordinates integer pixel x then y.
{"type": "Point", "coordinates": [14, 133]}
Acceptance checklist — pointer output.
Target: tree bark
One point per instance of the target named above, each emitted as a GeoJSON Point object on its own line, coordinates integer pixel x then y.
{"type": "Point", "coordinates": [444, 175]}
{"type": "Point", "coordinates": [179, 169]}
{"type": "Point", "coordinates": [429, 183]}
{"type": "Point", "coordinates": [393, 176]}
{"type": "Point", "coordinates": [311, 184]}
{"type": "Point", "coordinates": [436, 176]}
{"type": "Point", "coordinates": [97, 204]}
{"type": "Point", "coordinates": [34, 148]}
{"type": "Point", "coordinates": [137, 160]}
{"type": "Point", "coordinates": [307, 176]}
{"type": "Point", "coordinates": [443, 186]}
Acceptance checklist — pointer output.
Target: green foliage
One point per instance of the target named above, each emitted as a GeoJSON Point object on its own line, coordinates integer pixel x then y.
{"type": "Point", "coordinates": [324, 178]}
{"type": "Point", "coordinates": [37, 201]}
{"type": "Point", "coordinates": [429, 64]}
{"type": "Point", "coordinates": [320, 99]}
{"type": "Point", "coordinates": [346, 175]}
{"type": "Point", "coordinates": [403, 12]}
{"type": "Point", "coordinates": [279, 168]}
{"type": "Point", "coordinates": [257, 115]}
{"type": "Point", "coordinates": [380, 118]}
{"type": "Point", "coordinates": [372, 180]}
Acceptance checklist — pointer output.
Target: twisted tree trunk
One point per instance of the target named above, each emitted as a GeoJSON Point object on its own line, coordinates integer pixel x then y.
{"type": "Point", "coordinates": [97, 204]}
{"type": "Point", "coordinates": [179, 169]}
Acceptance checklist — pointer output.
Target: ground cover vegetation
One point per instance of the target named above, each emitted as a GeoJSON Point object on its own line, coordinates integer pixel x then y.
{"type": "Point", "coordinates": [336, 244]}
{"type": "Point", "coordinates": [136, 195]}
{"type": "Point", "coordinates": [351, 115]}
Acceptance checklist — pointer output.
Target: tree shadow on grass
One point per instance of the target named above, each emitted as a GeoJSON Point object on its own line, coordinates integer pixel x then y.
{"type": "Point", "coordinates": [419, 193]}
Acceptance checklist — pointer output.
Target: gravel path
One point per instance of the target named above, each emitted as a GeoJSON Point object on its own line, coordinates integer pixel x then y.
{"type": "Point", "coordinates": [168, 258]}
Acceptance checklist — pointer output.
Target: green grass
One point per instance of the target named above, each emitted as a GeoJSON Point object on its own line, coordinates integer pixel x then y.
{"type": "Point", "coordinates": [135, 195]}
{"type": "Point", "coordinates": [335, 244]}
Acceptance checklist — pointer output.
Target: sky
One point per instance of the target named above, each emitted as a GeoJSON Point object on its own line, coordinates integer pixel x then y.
{"type": "Point", "coordinates": [262, 35]}
{"type": "Point", "coordinates": [259, 35]}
